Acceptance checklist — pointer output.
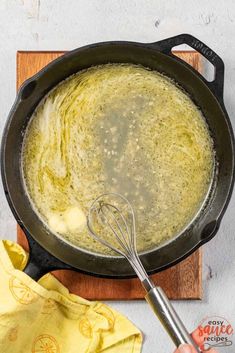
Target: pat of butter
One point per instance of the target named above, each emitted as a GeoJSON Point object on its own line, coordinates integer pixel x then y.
{"type": "Point", "coordinates": [57, 224]}
{"type": "Point", "coordinates": [75, 219]}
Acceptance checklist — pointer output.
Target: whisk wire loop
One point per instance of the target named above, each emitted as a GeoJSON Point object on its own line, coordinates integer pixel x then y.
{"type": "Point", "coordinates": [122, 229]}
{"type": "Point", "coordinates": [115, 214]}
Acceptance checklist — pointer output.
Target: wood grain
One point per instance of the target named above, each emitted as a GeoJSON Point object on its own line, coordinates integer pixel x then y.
{"type": "Point", "coordinates": [183, 281]}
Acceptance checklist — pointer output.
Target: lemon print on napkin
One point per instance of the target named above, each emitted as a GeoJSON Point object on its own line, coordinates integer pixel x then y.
{"type": "Point", "coordinates": [43, 317]}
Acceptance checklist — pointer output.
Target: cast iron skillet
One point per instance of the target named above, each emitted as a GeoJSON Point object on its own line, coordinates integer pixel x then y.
{"type": "Point", "coordinates": [48, 252]}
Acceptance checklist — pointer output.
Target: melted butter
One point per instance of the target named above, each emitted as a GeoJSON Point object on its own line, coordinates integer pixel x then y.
{"type": "Point", "coordinates": [118, 128]}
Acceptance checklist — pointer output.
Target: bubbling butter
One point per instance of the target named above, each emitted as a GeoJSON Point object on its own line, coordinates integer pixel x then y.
{"type": "Point", "coordinates": [118, 128]}
{"type": "Point", "coordinates": [71, 220]}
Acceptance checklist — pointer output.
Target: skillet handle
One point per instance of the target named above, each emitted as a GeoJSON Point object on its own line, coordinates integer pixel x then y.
{"type": "Point", "coordinates": [217, 85]}
{"type": "Point", "coordinates": [40, 261]}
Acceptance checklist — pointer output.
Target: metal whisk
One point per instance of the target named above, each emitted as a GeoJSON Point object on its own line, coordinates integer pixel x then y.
{"type": "Point", "coordinates": [111, 221]}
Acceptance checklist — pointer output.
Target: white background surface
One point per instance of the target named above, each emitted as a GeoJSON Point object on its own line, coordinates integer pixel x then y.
{"type": "Point", "coordinates": [64, 25]}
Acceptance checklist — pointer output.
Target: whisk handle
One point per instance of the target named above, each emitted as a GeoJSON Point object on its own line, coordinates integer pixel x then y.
{"type": "Point", "coordinates": [165, 312]}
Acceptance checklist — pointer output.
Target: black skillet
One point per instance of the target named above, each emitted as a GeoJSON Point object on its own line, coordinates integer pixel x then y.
{"type": "Point", "coordinates": [48, 252]}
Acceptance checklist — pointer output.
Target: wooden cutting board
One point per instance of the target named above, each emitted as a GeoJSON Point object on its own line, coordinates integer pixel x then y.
{"type": "Point", "coordinates": [183, 281]}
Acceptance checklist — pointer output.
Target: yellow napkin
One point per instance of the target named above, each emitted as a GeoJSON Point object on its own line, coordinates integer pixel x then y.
{"type": "Point", "coordinates": [43, 317]}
